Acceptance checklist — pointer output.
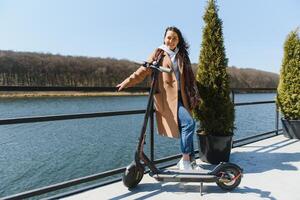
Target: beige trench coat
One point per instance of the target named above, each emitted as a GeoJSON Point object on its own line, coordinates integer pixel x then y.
{"type": "Point", "coordinates": [166, 100]}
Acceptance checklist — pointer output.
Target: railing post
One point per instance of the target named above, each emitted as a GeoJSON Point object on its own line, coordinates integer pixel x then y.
{"type": "Point", "coordinates": [152, 134]}
{"type": "Point", "coordinates": [232, 96]}
{"type": "Point", "coordinates": [276, 119]}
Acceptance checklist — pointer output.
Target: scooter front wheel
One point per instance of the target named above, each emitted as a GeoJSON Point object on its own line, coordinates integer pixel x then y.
{"type": "Point", "coordinates": [229, 178]}
{"type": "Point", "coordinates": [133, 175]}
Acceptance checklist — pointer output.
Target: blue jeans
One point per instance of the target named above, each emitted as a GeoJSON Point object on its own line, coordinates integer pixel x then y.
{"type": "Point", "coordinates": [186, 128]}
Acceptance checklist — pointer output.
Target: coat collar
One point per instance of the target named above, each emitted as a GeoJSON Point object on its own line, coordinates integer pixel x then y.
{"type": "Point", "coordinates": [169, 62]}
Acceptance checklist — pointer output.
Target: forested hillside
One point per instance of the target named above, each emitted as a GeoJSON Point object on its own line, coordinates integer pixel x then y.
{"type": "Point", "coordinates": [37, 69]}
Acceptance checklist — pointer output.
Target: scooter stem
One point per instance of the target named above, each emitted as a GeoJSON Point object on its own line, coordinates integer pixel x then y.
{"type": "Point", "coordinates": [140, 148]}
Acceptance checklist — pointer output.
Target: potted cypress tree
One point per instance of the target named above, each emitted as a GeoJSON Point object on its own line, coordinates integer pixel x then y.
{"type": "Point", "coordinates": [216, 110]}
{"type": "Point", "coordinates": [288, 91]}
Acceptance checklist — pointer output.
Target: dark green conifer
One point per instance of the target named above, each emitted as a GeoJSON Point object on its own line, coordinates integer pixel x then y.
{"type": "Point", "coordinates": [288, 98]}
{"type": "Point", "coordinates": [216, 110]}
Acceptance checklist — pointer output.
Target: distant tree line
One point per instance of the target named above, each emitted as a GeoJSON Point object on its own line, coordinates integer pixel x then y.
{"type": "Point", "coordinates": [37, 69]}
{"type": "Point", "coordinates": [252, 78]}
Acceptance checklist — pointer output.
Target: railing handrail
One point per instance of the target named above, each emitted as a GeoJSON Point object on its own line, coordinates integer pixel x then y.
{"type": "Point", "coordinates": [253, 103]}
{"type": "Point", "coordinates": [67, 117]}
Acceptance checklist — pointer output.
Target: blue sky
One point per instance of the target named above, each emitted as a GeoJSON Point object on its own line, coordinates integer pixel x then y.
{"type": "Point", "coordinates": [254, 30]}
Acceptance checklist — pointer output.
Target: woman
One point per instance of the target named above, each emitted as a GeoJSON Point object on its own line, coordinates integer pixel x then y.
{"type": "Point", "coordinates": [173, 108]}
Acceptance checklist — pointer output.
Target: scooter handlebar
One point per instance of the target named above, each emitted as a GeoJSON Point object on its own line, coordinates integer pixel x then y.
{"type": "Point", "coordinates": [165, 69]}
{"type": "Point", "coordinates": [155, 66]}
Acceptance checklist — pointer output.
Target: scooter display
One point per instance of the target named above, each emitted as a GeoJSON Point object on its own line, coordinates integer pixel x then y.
{"type": "Point", "coordinates": [226, 175]}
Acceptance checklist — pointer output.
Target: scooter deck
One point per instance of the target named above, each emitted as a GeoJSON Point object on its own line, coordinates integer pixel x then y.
{"type": "Point", "coordinates": [169, 175]}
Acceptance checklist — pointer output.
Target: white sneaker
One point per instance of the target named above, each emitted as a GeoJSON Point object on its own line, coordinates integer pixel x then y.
{"type": "Point", "coordinates": [179, 163]}
{"type": "Point", "coordinates": [184, 165]}
{"type": "Point", "coordinates": [194, 165]}
{"type": "Point", "coordinates": [197, 168]}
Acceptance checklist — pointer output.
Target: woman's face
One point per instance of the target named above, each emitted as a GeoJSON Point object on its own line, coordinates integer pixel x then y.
{"type": "Point", "coordinates": [171, 40]}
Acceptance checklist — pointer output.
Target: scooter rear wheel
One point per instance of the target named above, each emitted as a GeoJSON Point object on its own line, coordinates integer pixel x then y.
{"type": "Point", "coordinates": [229, 178]}
{"type": "Point", "coordinates": [133, 175]}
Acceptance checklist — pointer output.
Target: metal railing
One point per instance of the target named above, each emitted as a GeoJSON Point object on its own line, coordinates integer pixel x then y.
{"type": "Point", "coordinates": [251, 139]}
{"type": "Point", "coordinates": [75, 182]}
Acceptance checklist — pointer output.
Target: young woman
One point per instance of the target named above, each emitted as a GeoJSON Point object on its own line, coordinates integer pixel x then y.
{"type": "Point", "coordinates": [172, 106]}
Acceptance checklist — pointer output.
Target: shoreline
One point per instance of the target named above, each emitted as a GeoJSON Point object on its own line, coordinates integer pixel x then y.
{"type": "Point", "coordinates": [39, 94]}
{"type": "Point", "coordinates": [50, 94]}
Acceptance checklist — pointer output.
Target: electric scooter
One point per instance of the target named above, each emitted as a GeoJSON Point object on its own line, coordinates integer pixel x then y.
{"type": "Point", "coordinates": [226, 175]}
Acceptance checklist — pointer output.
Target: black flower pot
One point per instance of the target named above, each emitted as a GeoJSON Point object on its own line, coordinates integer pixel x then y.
{"type": "Point", "coordinates": [291, 128]}
{"type": "Point", "coordinates": [214, 149]}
